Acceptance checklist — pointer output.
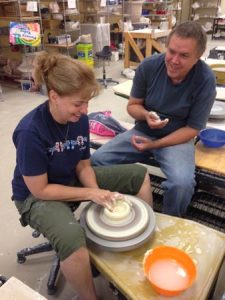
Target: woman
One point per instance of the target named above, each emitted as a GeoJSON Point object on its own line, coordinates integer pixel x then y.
{"type": "Point", "coordinates": [53, 170]}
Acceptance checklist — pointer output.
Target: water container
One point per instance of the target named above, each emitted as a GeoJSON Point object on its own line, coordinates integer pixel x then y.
{"type": "Point", "coordinates": [85, 53]}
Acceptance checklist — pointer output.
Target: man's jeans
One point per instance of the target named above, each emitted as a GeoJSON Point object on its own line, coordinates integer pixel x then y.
{"type": "Point", "coordinates": [176, 162]}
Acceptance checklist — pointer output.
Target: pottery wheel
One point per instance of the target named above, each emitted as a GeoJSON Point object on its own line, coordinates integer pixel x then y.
{"type": "Point", "coordinates": [218, 110]}
{"type": "Point", "coordinates": [110, 237]}
{"type": "Point", "coordinates": [122, 229]}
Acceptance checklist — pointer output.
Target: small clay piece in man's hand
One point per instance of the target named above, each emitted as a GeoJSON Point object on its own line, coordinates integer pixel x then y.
{"type": "Point", "coordinates": [157, 118]}
{"type": "Point", "coordinates": [154, 115]}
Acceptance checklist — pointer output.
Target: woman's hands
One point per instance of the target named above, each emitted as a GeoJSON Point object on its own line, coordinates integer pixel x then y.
{"type": "Point", "coordinates": [105, 197]}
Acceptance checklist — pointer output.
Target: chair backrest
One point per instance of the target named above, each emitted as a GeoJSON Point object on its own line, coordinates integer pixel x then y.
{"type": "Point", "coordinates": [219, 71]}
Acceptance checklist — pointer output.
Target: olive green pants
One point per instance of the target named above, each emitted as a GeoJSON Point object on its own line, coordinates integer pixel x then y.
{"type": "Point", "coordinates": [55, 219]}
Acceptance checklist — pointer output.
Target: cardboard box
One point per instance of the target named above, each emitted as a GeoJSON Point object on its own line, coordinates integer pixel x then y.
{"type": "Point", "coordinates": [63, 39]}
{"type": "Point", "coordinates": [16, 10]}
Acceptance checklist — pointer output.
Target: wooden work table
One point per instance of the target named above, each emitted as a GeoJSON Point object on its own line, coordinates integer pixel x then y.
{"type": "Point", "coordinates": [213, 61]}
{"type": "Point", "coordinates": [152, 41]}
{"type": "Point", "coordinates": [125, 271]}
{"type": "Point", "coordinates": [210, 162]}
{"type": "Point", "coordinates": [210, 159]}
{"type": "Point", "coordinates": [123, 89]}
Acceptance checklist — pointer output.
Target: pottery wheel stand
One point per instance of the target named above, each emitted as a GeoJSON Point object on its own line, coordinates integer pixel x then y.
{"type": "Point", "coordinates": [128, 232]}
{"type": "Point", "coordinates": [131, 230]}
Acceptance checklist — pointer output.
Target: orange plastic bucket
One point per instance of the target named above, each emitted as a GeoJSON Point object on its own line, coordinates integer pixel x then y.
{"type": "Point", "coordinates": [169, 270]}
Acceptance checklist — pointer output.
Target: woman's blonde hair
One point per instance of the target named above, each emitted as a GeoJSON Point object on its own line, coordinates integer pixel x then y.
{"type": "Point", "coordinates": [65, 75]}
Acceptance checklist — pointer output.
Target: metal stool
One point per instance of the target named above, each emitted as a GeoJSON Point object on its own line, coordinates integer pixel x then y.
{"type": "Point", "coordinates": [3, 280]}
{"type": "Point", "coordinates": [105, 54]}
{"type": "Point", "coordinates": [43, 247]}
{"type": "Point", "coordinates": [55, 268]}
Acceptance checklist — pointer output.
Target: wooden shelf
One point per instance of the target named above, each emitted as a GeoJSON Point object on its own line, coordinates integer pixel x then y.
{"type": "Point", "coordinates": [158, 2]}
{"type": "Point", "coordinates": [116, 31]}
{"type": "Point", "coordinates": [3, 74]}
{"type": "Point", "coordinates": [94, 13]}
{"type": "Point", "coordinates": [206, 11]}
{"type": "Point", "coordinates": [64, 46]}
{"type": "Point", "coordinates": [7, 1]}
{"type": "Point", "coordinates": [20, 18]}
{"type": "Point", "coordinates": [158, 11]}
{"type": "Point", "coordinates": [157, 15]}
{"type": "Point", "coordinates": [61, 13]}
{"type": "Point", "coordinates": [218, 25]}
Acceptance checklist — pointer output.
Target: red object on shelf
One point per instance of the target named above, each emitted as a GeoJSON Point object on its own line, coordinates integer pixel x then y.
{"type": "Point", "coordinates": [161, 12]}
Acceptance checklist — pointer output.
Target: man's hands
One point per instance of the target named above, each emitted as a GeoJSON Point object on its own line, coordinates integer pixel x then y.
{"type": "Point", "coordinates": [141, 143]}
{"type": "Point", "coordinates": [154, 120]}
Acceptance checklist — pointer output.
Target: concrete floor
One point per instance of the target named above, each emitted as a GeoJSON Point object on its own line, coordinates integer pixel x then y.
{"type": "Point", "coordinates": [13, 236]}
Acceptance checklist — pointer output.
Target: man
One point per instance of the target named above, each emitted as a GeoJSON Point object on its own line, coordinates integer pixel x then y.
{"type": "Point", "coordinates": [171, 98]}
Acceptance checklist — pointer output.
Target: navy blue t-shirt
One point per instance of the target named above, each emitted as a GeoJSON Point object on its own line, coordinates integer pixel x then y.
{"type": "Point", "coordinates": [185, 104]}
{"type": "Point", "coordinates": [45, 146]}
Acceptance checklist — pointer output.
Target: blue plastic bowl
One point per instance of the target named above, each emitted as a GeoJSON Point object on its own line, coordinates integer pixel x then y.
{"type": "Point", "coordinates": [212, 137]}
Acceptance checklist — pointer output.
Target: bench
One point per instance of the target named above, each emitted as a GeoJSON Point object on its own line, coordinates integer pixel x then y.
{"type": "Point", "coordinates": [206, 207]}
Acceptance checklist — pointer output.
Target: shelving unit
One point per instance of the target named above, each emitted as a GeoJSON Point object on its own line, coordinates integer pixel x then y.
{"type": "Point", "coordinates": [61, 23]}
{"type": "Point", "coordinates": [177, 10]}
{"type": "Point", "coordinates": [133, 10]}
{"type": "Point", "coordinates": [102, 20]}
{"type": "Point", "coordinates": [218, 31]}
{"type": "Point", "coordinates": [204, 11]}
{"type": "Point", "coordinates": [158, 11]}
{"type": "Point", "coordinates": [93, 12]}
{"type": "Point", "coordinates": [92, 15]}
{"type": "Point", "coordinates": [16, 59]}
{"type": "Point", "coordinates": [96, 11]}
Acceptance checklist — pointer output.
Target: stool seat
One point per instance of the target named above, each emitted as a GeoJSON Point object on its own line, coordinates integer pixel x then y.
{"type": "Point", "coordinates": [105, 53]}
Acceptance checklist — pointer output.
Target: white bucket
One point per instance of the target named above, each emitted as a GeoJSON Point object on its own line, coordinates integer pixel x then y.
{"type": "Point", "coordinates": [164, 25]}
{"type": "Point", "coordinates": [134, 9]}
{"type": "Point", "coordinates": [115, 56]}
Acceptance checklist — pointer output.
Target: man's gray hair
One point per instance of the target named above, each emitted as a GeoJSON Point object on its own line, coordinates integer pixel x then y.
{"type": "Point", "coordinates": [191, 29]}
